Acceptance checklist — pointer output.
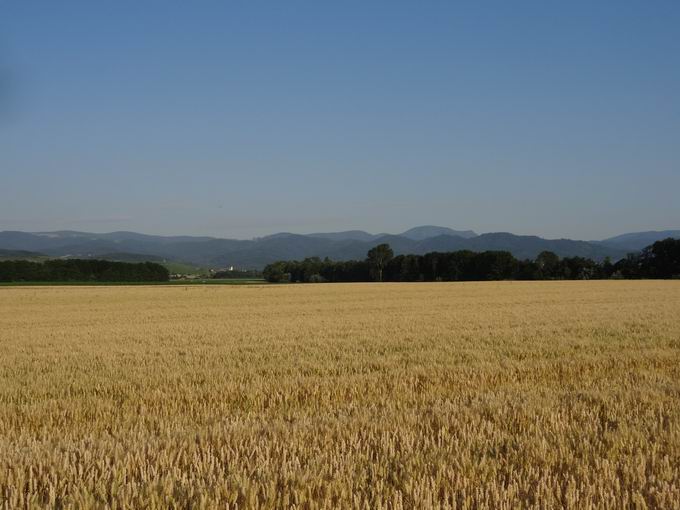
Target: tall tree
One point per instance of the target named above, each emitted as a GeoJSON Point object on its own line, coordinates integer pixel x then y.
{"type": "Point", "coordinates": [662, 259]}
{"type": "Point", "coordinates": [548, 264]}
{"type": "Point", "coordinates": [378, 258]}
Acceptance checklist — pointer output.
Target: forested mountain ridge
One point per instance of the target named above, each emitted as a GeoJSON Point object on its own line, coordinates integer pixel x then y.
{"type": "Point", "coordinates": [257, 253]}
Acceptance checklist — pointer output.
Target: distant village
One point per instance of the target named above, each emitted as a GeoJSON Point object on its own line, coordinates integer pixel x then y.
{"type": "Point", "coordinates": [226, 273]}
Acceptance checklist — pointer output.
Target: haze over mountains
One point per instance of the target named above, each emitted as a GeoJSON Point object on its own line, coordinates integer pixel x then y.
{"type": "Point", "coordinates": [352, 244]}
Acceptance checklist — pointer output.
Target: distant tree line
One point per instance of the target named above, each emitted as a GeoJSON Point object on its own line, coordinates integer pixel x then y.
{"type": "Point", "coordinates": [660, 260]}
{"type": "Point", "coordinates": [77, 270]}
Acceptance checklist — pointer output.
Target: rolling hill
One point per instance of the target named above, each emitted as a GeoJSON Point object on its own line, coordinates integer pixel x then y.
{"type": "Point", "coordinates": [256, 253]}
{"type": "Point", "coordinates": [636, 241]}
{"type": "Point", "coordinates": [429, 231]}
{"type": "Point", "coordinates": [20, 255]}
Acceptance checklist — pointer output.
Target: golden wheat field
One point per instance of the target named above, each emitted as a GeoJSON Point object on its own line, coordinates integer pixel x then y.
{"type": "Point", "coordinates": [461, 395]}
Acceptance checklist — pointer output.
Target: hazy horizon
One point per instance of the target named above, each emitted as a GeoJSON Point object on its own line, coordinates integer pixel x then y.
{"type": "Point", "coordinates": [556, 120]}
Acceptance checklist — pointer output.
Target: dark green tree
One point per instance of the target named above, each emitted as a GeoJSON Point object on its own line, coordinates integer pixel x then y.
{"type": "Point", "coordinates": [378, 258]}
{"type": "Point", "coordinates": [661, 260]}
{"type": "Point", "coordinates": [548, 264]}
{"type": "Point", "coordinates": [276, 272]}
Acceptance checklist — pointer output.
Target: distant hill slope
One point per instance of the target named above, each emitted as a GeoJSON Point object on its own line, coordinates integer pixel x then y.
{"type": "Point", "coordinates": [347, 235]}
{"type": "Point", "coordinates": [429, 231]}
{"type": "Point", "coordinates": [636, 241]}
{"type": "Point", "coordinates": [298, 247]}
{"type": "Point", "coordinates": [20, 255]}
{"type": "Point", "coordinates": [173, 266]}
{"type": "Point", "coordinates": [524, 247]}
{"type": "Point", "coordinates": [130, 257]}
{"type": "Point", "coordinates": [256, 253]}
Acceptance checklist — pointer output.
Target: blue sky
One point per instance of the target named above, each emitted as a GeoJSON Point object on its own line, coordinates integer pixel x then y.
{"type": "Point", "coordinates": [239, 119]}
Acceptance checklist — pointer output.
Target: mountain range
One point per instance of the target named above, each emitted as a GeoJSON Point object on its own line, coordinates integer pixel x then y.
{"type": "Point", "coordinates": [352, 244]}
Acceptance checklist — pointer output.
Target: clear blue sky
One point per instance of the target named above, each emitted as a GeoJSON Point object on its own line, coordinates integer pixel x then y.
{"type": "Point", "coordinates": [240, 119]}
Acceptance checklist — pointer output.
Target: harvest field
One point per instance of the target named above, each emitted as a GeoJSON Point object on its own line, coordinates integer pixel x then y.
{"type": "Point", "coordinates": [441, 395]}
